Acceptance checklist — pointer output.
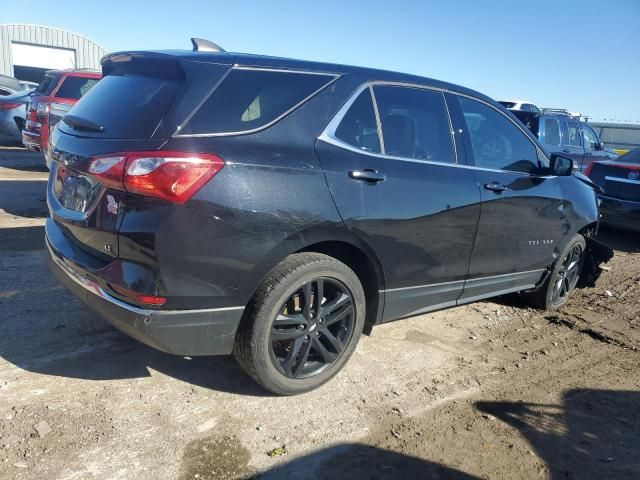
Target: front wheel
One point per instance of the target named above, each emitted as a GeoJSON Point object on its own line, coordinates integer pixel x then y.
{"type": "Point", "coordinates": [302, 325]}
{"type": "Point", "coordinates": [563, 278]}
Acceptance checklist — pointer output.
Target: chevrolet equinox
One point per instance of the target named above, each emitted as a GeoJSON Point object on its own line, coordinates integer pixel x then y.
{"type": "Point", "coordinates": [207, 203]}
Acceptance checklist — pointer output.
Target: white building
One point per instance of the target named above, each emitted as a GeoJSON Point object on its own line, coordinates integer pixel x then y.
{"type": "Point", "coordinates": [27, 51]}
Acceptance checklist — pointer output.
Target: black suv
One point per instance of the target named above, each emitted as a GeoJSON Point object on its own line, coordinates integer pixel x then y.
{"type": "Point", "coordinates": [208, 203]}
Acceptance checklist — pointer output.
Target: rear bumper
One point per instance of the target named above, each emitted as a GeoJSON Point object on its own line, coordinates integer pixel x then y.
{"type": "Point", "coordinates": [179, 332]}
{"type": "Point", "coordinates": [620, 213]}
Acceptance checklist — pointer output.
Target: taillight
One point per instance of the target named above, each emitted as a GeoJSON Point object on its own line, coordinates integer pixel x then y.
{"type": "Point", "coordinates": [9, 106]}
{"type": "Point", "coordinates": [172, 176]}
{"type": "Point", "coordinates": [139, 297]}
{"type": "Point", "coordinates": [42, 108]}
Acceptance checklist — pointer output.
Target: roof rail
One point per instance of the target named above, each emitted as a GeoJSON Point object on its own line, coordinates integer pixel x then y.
{"type": "Point", "coordinates": [202, 45]}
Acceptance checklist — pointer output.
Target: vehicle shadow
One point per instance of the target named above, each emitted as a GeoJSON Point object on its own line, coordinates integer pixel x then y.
{"type": "Point", "coordinates": [592, 434]}
{"type": "Point", "coordinates": [622, 240]}
{"type": "Point", "coordinates": [24, 198]}
{"type": "Point", "coordinates": [361, 462]}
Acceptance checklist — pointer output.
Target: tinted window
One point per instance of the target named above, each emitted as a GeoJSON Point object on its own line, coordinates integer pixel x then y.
{"type": "Point", "coordinates": [551, 131]}
{"type": "Point", "coordinates": [590, 137]}
{"type": "Point", "coordinates": [127, 106]}
{"type": "Point", "coordinates": [535, 109]}
{"type": "Point", "coordinates": [497, 143]}
{"type": "Point", "coordinates": [415, 123]}
{"type": "Point", "coordinates": [74, 88]}
{"type": "Point", "coordinates": [573, 136]}
{"type": "Point", "coordinates": [249, 99]}
{"type": "Point", "coordinates": [525, 107]}
{"type": "Point", "coordinates": [47, 84]}
{"type": "Point", "coordinates": [358, 127]}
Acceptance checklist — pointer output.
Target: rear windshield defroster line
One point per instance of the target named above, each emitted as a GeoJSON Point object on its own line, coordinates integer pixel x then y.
{"type": "Point", "coordinates": [251, 99]}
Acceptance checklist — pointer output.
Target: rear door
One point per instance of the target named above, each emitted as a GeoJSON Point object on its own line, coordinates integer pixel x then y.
{"type": "Point", "coordinates": [399, 182]}
{"type": "Point", "coordinates": [522, 224]}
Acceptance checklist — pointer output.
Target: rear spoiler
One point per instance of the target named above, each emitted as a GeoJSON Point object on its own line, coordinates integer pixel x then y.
{"type": "Point", "coordinates": [148, 64]}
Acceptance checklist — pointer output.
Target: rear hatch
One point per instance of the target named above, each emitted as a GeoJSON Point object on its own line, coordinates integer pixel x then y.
{"type": "Point", "coordinates": [137, 105]}
{"type": "Point", "coordinates": [619, 178]}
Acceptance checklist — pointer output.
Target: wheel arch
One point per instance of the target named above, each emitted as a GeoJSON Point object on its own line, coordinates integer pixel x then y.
{"type": "Point", "coordinates": [346, 247]}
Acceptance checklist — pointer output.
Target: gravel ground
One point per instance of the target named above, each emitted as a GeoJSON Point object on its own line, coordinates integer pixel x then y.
{"type": "Point", "coordinates": [488, 390]}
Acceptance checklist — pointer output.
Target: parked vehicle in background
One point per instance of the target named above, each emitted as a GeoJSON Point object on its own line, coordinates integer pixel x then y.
{"type": "Point", "coordinates": [620, 180]}
{"type": "Point", "coordinates": [58, 91]}
{"type": "Point", "coordinates": [207, 203]}
{"type": "Point", "coordinates": [12, 117]}
{"type": "Point", "coordinates": [565, 134]}
{"type": "Point", "coordinates": [519, 105]}
{"type": "Point", "coordinates": [8, 85]}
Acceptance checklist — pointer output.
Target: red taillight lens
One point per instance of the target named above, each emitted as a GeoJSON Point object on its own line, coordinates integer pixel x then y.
{"type": "Point", "coordinates": [172, 176]}
{"type": "Point", "coordinates": [138, 297]}
{"type": "Point", "coordinates": [9, 106]}
{"type": "Point", "coordinates": [627, 166]}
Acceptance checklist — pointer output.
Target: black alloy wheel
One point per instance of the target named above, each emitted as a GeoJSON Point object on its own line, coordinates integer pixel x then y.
{"type": "Point", "coordinates": [312, 329]}
{"type": "Point", "coordinates": [567, 275]}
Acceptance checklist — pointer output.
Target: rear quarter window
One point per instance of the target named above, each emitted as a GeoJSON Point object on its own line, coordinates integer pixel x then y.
{"type": "Point", "coordinates": [74, 88]}
{"type": "Point", "coordinates": [250, 99]}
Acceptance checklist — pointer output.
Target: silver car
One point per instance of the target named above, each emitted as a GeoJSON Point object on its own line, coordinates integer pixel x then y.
{"type": "Point", "coordinates": [12, 117]}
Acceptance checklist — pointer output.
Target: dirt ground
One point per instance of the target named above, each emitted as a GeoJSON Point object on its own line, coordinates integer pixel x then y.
{"type": "Point", "coordinates": [488, 390]}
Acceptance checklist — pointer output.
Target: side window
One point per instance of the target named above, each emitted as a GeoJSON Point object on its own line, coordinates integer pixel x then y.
{"type": "Point", "coordinates": [75, 87]}
{"type": "Point", "coordinates": [525, 107]}
{"type": "Point", "coordinates": [497, 143]}
{"type": "Point", "coordinates": [415, 123]}
{"type": "Point", "coordinates": [590, 137]}
{"type": "Point", "coordinates": [573, 137]}
{"type": "Point", "coordinates": [358, 127]}
{"type": "Point", "coordinates": [551, 131]}
{"type": "Point", "coordinates": [535, 109]}
{"type": "Point", "coordinates": [250, 99]}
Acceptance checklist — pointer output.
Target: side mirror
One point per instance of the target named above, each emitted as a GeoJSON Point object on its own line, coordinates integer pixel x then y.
{"type": "Point", "coordinates": [560, 166]}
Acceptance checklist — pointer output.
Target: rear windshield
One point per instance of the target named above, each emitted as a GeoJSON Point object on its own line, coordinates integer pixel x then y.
{"type": "Point", "coordinates": [250, 99]}
{"type": "Point", "coordinates": [127, 106]}
{"type": "Point", "coordinates": [630, 157]}
{"type": "Point", "coordinates": [74, 88]}
{"type": "Point", "coordinates": [47, 85]}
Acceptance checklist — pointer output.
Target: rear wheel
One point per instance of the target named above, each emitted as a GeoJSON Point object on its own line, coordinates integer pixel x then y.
{"type": "Point", "coordinates": [302, 324]}
{"type": "Point", "coordinates": [564, 277]}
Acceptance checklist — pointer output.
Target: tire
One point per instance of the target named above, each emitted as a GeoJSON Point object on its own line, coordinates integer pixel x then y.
{"type": "Point", "coordinates": [545, 297]}
{"type": "Point", "coordinates": [289, 292]}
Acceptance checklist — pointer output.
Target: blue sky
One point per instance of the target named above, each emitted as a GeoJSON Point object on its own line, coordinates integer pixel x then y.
{"type": "Point", "coordinates": [581, 55]}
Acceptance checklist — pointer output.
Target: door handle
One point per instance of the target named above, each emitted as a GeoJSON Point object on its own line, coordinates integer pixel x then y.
{"type": "Point", "coordinates": [367, 175]}
{"type": "Point", "coordinates": [495, 187]}
{"type": "Point", "coordinates": [588, 153]}
{"type": "Point", "coordinates": [566, 150]}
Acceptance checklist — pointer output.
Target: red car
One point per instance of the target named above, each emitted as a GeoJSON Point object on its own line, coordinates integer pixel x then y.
{"type": "Point", "coordinates": [58, 91]}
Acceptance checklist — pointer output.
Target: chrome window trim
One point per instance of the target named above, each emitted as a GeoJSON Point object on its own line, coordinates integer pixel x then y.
{"type": "Point", "coordinates": [177, 133]}
{"type": "Point", "coordinates": [328, 134]}
{"type": "Point", "coordinates": [622, 180]}
{"type": "Point", "coordinates": [376, 112]}
{"type": "Point", "coordinates": [537, 270]}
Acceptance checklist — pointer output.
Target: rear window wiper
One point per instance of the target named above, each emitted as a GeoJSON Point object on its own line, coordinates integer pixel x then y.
{"type": "Point", "coordinates": [79, 123]}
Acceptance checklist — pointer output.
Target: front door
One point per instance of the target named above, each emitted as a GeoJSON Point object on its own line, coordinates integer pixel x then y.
{"type": "Point", "coordinates": [592, 148]}
{"type": "Point", "coordinates": [522, 225]}
{"type": "Point", "coordinates": [394, 174]}
{"type": "Point", "coordinates": [572, 146]}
